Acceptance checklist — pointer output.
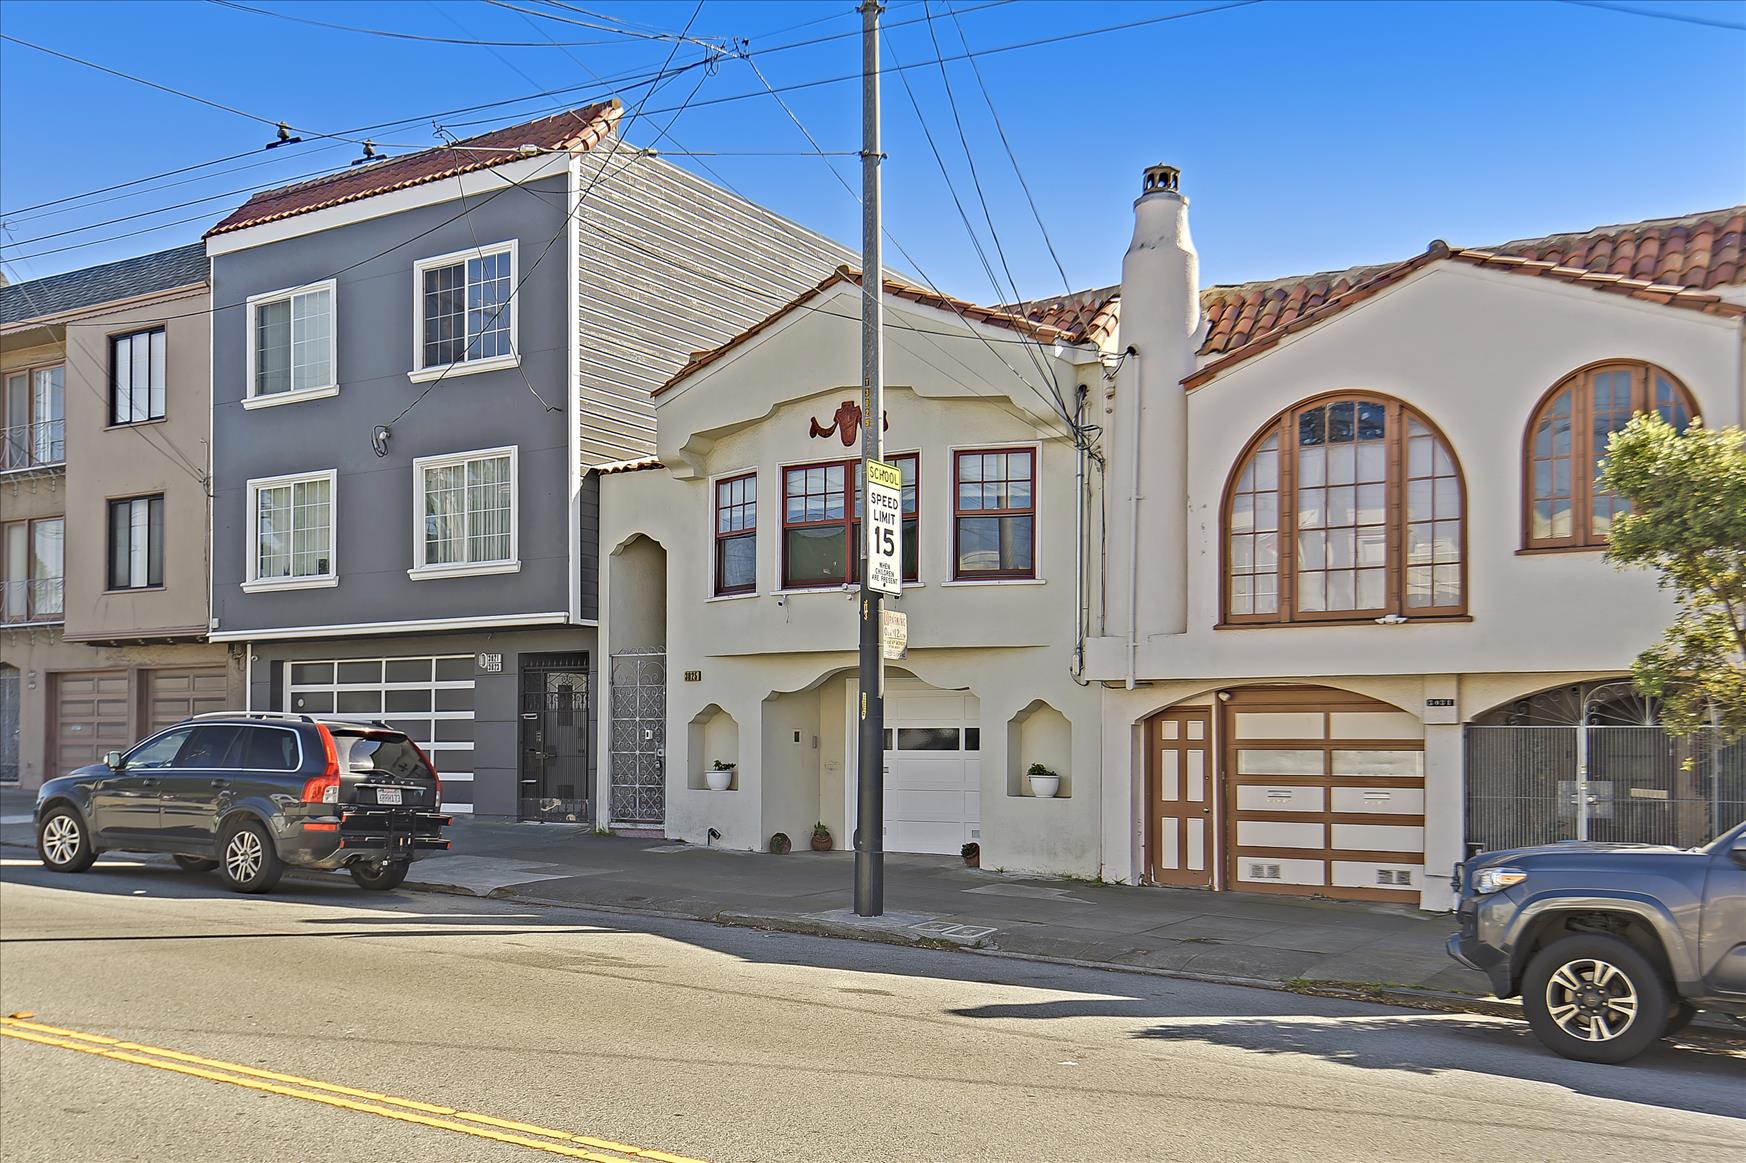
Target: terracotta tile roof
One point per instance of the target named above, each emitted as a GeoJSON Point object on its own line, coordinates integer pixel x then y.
{"type": "Point", "coordinates": [998, 317]}
{"type": "Point", "coordinates": [1697, 252]}
{"type": "Point", "coordinates": [574, 129]}
{"type": "Point", "coordinates": [1084, 316]}
{"type": "Point", "coordinates": [618, 466]}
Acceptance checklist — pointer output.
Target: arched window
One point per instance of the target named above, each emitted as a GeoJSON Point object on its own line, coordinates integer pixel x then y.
{"type": "Point", "coordinates": [1567, 439]}
{"type": "Point", "coordinates": [1345, 507]}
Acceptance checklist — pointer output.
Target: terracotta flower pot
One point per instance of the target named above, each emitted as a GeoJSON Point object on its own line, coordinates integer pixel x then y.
{"type": "Point", "coordinates": [821, 841]}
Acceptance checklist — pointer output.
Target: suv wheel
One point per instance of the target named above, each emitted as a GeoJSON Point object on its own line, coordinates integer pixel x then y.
{"type": "Point", "coordinates": [248, 860]}
{"type": "Point", "coordinates": [380, 877]}
{"type": "Point", "coordinates": [63, 842]}
{"type": "Point", "coordinates": [194, 863]}
{"type": "Point", "coordinates": [1595, 999]}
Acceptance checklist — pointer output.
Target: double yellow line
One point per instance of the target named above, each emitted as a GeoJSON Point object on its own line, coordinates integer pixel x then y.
{"type": "Point", "coordinates": [405, 1110]}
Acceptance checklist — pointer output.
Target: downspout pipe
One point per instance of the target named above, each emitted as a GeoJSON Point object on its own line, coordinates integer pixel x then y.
{"type": "Point", "coordinates": [1134, 533]}
{"type": "Point", "coordinates": [1079, 553]}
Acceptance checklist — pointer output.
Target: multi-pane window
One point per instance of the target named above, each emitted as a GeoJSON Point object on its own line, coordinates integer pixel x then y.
{"type": "Point", "coordinates": [1349, 507]}
{"type": "Point", "coordinates": [34, 420]}
{"type": "Point", "coordinates": [292, 342]}
{"type": "Point", "coordinates": [136, 377]}
{"type": "Point", "coordinates": [136, 543]}
{"type": "Point", "coordinates": [466, 313]}
{"type": "Point", "coordinates": [821, 524]}
{"type": "Point", "coordinates": [1567, 440]}
{"type": "Point", "coordinates": [34, 569]}
{"type": "Point", "coordinates": [995, 514]}
{"type": "Point", "coordinates": [467, 509]}
{"type": "Point", "coordinates": [736, 534]}
{"type": "Point", "coordinates": [293, 527]}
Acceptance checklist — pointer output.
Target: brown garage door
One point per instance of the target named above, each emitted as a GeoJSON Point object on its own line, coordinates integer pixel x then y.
{"type": "Point", "coordinates": [90, 717]}
{"type": "Point", "coordinates": [176, 693]}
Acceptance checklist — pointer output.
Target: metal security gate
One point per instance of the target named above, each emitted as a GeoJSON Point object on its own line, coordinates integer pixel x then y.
{"type": "Point", "coordinates": [639, 738]}
{"type": "Point", "coordinates": [1638, 784]}
{"type": "Point", "coordinates": [554, 738]}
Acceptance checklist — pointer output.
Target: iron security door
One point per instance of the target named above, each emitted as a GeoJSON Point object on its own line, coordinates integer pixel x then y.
{"type": "Point", "coordinates": [639, 738]}
{"type": "Point", "coordinates": [554, 738]}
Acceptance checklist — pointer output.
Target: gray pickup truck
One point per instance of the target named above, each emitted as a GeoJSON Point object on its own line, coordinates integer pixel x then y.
{"type": "Point", "coordinates": [1610, 946]}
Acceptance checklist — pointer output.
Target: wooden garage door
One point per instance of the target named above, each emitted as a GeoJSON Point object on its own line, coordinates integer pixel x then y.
{"type": "Point", "coordinates": [1324, 795]}
{"type": "Point", "coordinates": [176, 693]}
{"type": "Point", "coordinates": [90, 717]}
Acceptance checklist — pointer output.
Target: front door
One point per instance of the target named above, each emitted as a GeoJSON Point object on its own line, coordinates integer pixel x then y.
{"type": "Point", "coordinates": [1179, 794]}
{"type": "Point", "coordinates": [554, 738]}
{"type": "Point", "coordinates": [1722, 935]}
{"type": "Point", "coordinates": [127, 803]}
{"type": "Point", "coordinates": [638, 754]}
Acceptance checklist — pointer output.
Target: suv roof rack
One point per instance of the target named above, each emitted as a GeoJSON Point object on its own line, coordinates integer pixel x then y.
{"type": "Point", "coordinates": [291, 715]}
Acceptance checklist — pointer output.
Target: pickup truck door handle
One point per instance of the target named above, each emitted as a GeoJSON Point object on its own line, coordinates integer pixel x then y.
{"type": "Point", "coordinates": [221, 783]}
{"type": "Point", "coordinates": [148, 782]}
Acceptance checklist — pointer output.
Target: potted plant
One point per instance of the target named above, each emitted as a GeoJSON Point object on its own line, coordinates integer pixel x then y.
{"type": "Point", "coordinates": [972, 854]}
{"type": "Point", "coordinates": [821, 837]}
{"type": "Point", "coordinates": [1044, 783]}
{"type": "Point", "coordinates": [720, 775]}
{"type": "Point", "coordinates": [780, 844]}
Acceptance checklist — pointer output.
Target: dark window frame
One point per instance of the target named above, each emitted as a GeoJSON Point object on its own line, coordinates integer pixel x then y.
{"type": "Point", "coordinates": [959, 514]}
{"type": "Point", "coordinates": [115, 400]}
{"type": "Point", "coordinates": [154, 547]}
{"type": "Point", "coordinates": [850, 521]}
{"type": "Point", "coordinates": [721, 538]}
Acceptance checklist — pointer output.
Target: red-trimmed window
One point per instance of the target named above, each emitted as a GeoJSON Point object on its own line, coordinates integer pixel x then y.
{"type": "Point", "coordinates": [821, 530]}
{"type": "Point", "coordinates": [736, 534]}
{"type": "Point", "coordinates": [994, 513]}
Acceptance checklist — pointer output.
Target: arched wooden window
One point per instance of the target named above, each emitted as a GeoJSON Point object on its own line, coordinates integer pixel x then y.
{"type": "Point", "coordinates": [1345, 507]}
{"type": "Point", "coordinates": [1567, 439]}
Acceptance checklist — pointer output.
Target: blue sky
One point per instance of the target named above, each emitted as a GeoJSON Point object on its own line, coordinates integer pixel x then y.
{"type": "Point", "coordinates": [1311, 135]}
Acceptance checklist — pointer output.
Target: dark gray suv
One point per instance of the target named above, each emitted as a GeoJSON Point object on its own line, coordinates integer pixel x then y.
{"type": "Point", "coordinates": [1610, 946]}
{"type": "Point", "coordinates": [250, 793]}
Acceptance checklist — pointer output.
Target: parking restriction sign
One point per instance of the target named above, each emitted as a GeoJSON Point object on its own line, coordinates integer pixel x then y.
{"type": "Point", "coordinates": [884, 527]}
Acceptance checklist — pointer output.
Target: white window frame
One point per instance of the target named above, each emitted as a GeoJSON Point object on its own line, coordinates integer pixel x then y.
{"type": "Point", "coordinates": [421, 373]}
{"type": "Point", "coordinates": [299, 395]}
{"type": "Point", "coordinates": [424, 571]}
{"type": "Point", "coordinates": [258, 584]}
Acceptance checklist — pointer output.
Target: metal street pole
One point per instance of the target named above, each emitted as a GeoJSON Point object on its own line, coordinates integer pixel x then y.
{"type": "Point", "coordinates": [870, 768]}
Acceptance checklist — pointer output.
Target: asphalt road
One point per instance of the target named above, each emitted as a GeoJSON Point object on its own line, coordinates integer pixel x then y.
{"type": "Point", "coordinates": [243, 1018]}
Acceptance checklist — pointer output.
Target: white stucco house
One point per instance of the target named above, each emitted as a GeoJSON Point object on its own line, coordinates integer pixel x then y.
{"type": "Point", "coordinates": [1254, 568]}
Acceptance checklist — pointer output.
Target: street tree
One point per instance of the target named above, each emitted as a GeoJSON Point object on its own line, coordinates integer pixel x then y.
{"type": "Point", "coordinates": [1687, 521]}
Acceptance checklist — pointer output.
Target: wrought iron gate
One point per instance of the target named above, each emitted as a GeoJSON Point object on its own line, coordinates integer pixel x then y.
{"type": "Point", "coordinates": [554, 738]}
{"type": "Point", "coordinates": [639, 738]}
{"type": "Point", "coordinates": [1536, 785]}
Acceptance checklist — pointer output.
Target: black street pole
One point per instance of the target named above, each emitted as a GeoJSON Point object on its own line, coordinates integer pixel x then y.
{"type": "Point", "coordinates": [870, 767]}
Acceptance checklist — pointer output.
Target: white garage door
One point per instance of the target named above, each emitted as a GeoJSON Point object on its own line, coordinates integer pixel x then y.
{"type": "Point", "coordinates": [431, 699]}
{"type": "Point", "coordinates": [933, 769]}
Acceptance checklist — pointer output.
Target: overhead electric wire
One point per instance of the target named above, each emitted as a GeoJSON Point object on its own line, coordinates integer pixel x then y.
{"type": "Point", "coordinates": [1657, 14]}
{"type": "Point", "coordinates": [389, 33]}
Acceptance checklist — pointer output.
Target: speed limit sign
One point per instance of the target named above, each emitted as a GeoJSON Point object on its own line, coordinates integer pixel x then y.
{"type": "Point", "coordinates": [884, 527]}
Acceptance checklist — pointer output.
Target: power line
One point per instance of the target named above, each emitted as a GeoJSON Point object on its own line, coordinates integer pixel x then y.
{"type": "Point", "coordinates": [389, 33]}
{"type": "Point", "coordinates": [1657, 14]}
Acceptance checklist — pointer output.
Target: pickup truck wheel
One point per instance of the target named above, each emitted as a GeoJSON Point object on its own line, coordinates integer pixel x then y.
{"type": "Point", "coordinates": [1681, 1016]}
{"type": "Point", "coordinates": [248, 861]}
{"type": "Point", "coordinates": [1594, 998]}
{"type": "Point", "coordinates": [380, 877]}
{"type": "Point", "coordinates": [194, 863]}
{"type": "Point", "coordinates": [63, 842]}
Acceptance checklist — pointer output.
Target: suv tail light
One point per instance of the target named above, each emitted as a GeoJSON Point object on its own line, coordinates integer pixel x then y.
{"type": "Point", "coordinates": [431, 767]}
{"type": "Point", "coordinates": [324, 788]}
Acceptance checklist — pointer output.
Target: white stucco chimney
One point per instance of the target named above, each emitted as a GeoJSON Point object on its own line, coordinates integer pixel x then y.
{"type": "Point", "coordinates": [1160, 316]}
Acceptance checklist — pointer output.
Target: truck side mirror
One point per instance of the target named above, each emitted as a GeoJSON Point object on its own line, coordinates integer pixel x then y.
{"type": "Point", "coordinates": [113, 760]}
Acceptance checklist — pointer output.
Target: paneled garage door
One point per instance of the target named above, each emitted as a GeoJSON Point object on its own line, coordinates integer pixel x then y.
{"type": "Point", "coordinates": [933, 769]}
{"type": "Point", "coordinates": [1324, 795]}
{"type": "Point", "coordinates": [181, 692]}
{"type": "Point", "coordinates": [431, 699]}
{"type": "Point", "coordinates": [90, 717]}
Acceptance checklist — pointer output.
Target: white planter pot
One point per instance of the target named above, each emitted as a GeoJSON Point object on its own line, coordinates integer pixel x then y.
{"type": "Point", "coordinates": [719, 778]}
{"type": "Point", "coordinates": [1044, 787]}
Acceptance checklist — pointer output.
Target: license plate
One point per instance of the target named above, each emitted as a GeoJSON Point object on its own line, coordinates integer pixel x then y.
{"type": "Point", "coordinates": [387, 795]}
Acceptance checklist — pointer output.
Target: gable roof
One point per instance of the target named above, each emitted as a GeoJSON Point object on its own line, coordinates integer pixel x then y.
{"type": "Point", "coordinates": [575, 129]}
{"type": "Point", "coordinates": [129, 278]}
{"type": "Point", "coordinates": [1694, 252]}
{"type": "Point", "coordinates": [999, 317]}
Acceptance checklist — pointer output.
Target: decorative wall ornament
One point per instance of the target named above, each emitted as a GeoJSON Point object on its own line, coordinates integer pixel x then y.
{"type": "Point", "coordinates": [845, 424]}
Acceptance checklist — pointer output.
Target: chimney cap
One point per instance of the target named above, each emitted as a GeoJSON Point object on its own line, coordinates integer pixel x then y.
{"type": "Point", "coordinates": [1161, 179]}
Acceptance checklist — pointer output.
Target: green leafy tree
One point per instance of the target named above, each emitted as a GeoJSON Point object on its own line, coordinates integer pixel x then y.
{"type": "Point", "coordinates": [1687, 522]}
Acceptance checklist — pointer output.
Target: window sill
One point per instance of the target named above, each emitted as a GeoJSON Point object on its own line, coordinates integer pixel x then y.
{"type": "Point", "coordinates": [1348, 623]}
{"type": "Point", "coordinates": [113, 427]}
{"type": "Point", "coordinates": [1544, 550]}
{"type": "Point", "coordinates": [28, 623]}
{"type": "Point", "coordinates": [113, 591]}
{"type": "Point", "coordinates": [996, 581]}
{"type": "Point", "coordinates": [297, 397]}
{"type": "Point", "coordinates": [267, 585]}
{"type": "Point", "coordinates": [733, 597]}
{"type": "Point", "coordinates": [841, 588]}
{"type": "Point", "coordinates": [438, 572]}
{"type": "Point", "coordinates": [425, 375]}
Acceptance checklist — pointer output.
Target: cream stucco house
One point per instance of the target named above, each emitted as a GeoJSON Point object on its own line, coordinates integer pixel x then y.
{"type": "Point", "coordinates": [1302, 554]}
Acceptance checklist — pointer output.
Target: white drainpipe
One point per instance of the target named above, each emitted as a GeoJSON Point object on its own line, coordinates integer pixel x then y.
{"type": "Point", "coordinates": [1134, 532]}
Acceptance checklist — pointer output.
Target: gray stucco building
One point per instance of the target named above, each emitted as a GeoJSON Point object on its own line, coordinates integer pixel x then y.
{"type": "Point", "coordinates": [417, 368]}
